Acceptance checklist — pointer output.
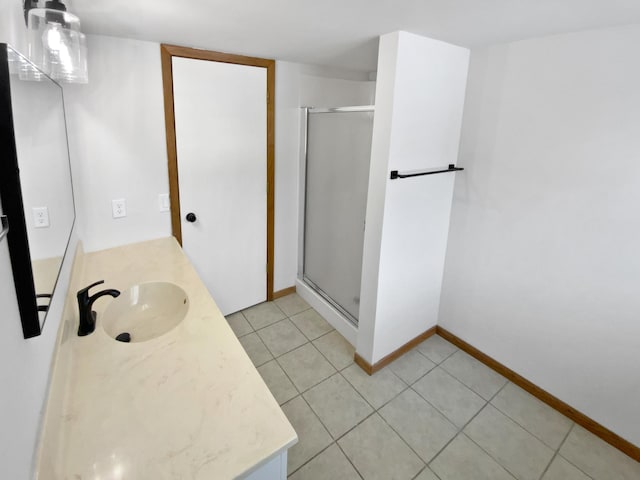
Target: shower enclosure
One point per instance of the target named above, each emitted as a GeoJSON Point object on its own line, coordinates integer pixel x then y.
{"type": "Point", "coordinates": [336, 170]}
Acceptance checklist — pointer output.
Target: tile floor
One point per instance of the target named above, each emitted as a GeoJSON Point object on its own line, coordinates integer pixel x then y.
{"type": "Point", "coordinates": [435, 413]}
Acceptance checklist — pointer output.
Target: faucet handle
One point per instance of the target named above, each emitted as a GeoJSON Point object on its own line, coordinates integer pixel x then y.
{"type": "Point", "coordinates": [85, 291]}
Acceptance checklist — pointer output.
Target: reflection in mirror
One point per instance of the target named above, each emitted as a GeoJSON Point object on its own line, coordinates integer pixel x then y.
{"type": "Point", "coordinates": [40, 138]}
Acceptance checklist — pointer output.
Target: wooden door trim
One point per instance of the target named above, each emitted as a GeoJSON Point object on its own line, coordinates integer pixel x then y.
{"type": "Point", "coordinates": [167, 52]}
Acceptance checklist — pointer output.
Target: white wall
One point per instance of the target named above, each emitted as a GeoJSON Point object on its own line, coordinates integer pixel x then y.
{"type": "Point", "coordinates": [25, 365]}
{"type": "Point", "coordinates": [287, 151]}
{"type": "Point", "coordinates": [542, 269]}
{"type": "Point", "coordinates": [419, 100]}
{"type": "Point", "coordinates": [117, 136]}
{"type": "Point", "coordinates": [42, 146]}
{"type": "Point", "coordinates": [12, 26]}
{"type": "Point", "coordinates": [321, 91]}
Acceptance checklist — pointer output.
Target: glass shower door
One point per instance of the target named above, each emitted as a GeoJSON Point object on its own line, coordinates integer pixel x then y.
{"type": "Point", "coordinates": [337, 178]}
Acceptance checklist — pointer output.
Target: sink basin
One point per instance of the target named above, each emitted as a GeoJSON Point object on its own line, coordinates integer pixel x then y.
{"type": "Point", "coordinates": [145, 311]}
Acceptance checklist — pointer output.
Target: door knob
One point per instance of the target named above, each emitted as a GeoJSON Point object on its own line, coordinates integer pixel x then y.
{"type": "Point", "coordinates": [191, 217]}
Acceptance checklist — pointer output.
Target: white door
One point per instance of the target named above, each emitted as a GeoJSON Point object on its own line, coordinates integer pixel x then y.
{"type": "Point", "coordinates": [221, 142]}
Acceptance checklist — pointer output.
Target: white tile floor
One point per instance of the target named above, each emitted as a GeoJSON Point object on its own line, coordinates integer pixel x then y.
{"type": "Point", "coordinates": [435, 413]}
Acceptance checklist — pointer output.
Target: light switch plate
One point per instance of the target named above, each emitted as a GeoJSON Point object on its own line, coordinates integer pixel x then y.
{"type": "Point", "coordinates": [163, 202]}
{"type": "Point", "coordinates": [119, 208]}
{"type": "Point", "coordinates": [40, 217]}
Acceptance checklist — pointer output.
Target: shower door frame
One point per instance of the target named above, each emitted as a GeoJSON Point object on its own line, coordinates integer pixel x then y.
{"type": "Point", "coordinates": [353, 322]}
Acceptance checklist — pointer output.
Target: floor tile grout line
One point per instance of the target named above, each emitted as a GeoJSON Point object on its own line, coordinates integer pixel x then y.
{"type": "Point", "coordinates": [565, 458]}
{"type": "Point", "coordinates": [575, 466]}
{"type": "Point", "coordinates": [327, 358]}
{"type": "Point", "coordinates": [333, 440]}
{"type": "Point", "coordinates": [327, 333]}
{"type": "Point", "coordinates": [390, 366]}
{"type": "Point", "coordinates": [317, 415]}
{"type": "Point", "coordinates": [555, 449]}
{"type": "Point", "coordinates": [276, 305]}
{"type": "Point", "coordinates": [513, 475]}
{"type": "Point", "coordinates": [262, 303]}
{"type": "Point", "coordinates": [349, 460]}
{"type": "Point", "coordinates": [294, 326]}
{"type": "Point", "coordinates": [422, 354]}
{"type": "Point", "coordinates": [420, 472]}
{"type": "Point", "coordinates": [377, 410]}
{"type": "Point", "coordinates": [555, 453]}
{"type": "Point", "coordinates": [373, 412]}
{"type": "Point", "coordinates": [323, 426]}
{"type": "Point", "coordinates": [461, 383]}
{"type": "Point", "coordinates": [456, 350]}
{"type": "Point", "coordinates": [480, 446]}
{"type": "Point", "coordinates": [300, 392]}
{"type": "Point", "coordinates": [275, 301]}
{"type": "Point", "coordinates": [438, 364]}
{"type": "Point", "coordinates": [275, 323]}
{"type": "Point", "coordinates": [358, 392]}
{"type": "Point", "coordinates": [426, 467]}
{"type": "Point", "coordinates": [308, 340]}
{"type": "Point", "coordinates": [483, 366]}
{"type": "Point", "coordinates": [305, 336]}
{"type": "Point", "coordinates": [461, 430]}
{"type": "Point", "coordinates": [406, 386]}
{"type": "Point", "coordinates": [311, 459]}
{"type": "Point", "coordinates": [369, 415]}
{"type": "Point", "coordinates": [458, 430]}
{"type": "Point", "coordinates": [266, 348]}
{"type": "Point", "coordinates": [288, 378]}
{"type": "Point", "coordinates": [245, 319]}
{"type": "Point", "coordinates": [398, 433]}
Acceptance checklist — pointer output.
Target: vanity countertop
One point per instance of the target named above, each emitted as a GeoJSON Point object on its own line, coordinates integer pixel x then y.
{"type": "Point", "coordinates": [186, 405]}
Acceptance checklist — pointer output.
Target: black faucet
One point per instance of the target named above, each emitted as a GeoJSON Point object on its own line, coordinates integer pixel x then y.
{"type": "Point", "coordinates": [88, 316]}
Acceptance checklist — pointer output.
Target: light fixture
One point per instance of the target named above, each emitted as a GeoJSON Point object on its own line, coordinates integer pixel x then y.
{"type": "Point", "coordinates": [56, 44]}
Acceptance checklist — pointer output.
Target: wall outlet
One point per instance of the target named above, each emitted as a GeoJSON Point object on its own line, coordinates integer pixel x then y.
{"type": "Point", "coordinates": [40, 217]}
{"type": "Point", "coordinates": [163, 202]}
{"type": "Point", "coordinates": [119, 208]}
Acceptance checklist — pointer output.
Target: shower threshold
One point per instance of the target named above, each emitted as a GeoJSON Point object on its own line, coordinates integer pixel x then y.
{"type": "Point", "coordinates": [330, 301]}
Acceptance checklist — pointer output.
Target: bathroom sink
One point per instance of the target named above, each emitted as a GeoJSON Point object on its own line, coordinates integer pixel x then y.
{"type": "Point", "coordinates": [145, 311]}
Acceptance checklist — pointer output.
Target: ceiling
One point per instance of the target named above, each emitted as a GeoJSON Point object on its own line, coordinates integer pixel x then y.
{"type": "Point", "coordinates": [341, 33]}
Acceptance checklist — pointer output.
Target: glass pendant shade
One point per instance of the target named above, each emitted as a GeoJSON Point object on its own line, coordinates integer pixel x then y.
{"type": "Point", "coordinates": [57, 45]}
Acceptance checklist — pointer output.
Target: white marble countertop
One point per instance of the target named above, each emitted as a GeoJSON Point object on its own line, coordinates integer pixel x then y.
{"type": "Point", "coordinates": [186, 405]}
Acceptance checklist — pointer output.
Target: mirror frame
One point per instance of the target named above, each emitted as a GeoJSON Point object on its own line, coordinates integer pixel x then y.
{"type": "Point", "coordinates": [11, 200]}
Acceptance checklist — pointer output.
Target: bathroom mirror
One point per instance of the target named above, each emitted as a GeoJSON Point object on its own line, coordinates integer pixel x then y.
{"type": "Point", "coordinates": [36, 192]}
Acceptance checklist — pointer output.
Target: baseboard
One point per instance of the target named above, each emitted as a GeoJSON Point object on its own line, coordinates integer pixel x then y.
{"type": "Point", "coordinates": [371, 369]}
{"type": "Point", "coordinates": [567, 410]}
{"type": "Point", "coordinates": [284, 292]}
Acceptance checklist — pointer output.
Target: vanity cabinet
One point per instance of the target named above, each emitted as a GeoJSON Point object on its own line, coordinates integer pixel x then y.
{"type": "Point", "coordinates": [187, 403]}
{"type": "Point", "coordinates": [274, 469]}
